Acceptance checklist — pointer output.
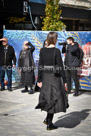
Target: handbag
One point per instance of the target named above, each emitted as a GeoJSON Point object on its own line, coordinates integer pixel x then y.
{"type": "Point", "coordinates": [56, 69]}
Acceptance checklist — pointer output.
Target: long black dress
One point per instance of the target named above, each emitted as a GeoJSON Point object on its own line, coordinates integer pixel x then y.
{"type": "Point", "coordinates": [52, 95]}
{"type": "Point", "coordinates": [26, 64]}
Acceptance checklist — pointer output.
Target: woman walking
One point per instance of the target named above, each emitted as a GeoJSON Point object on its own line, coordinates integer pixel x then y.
{"type": "Point", "coordinates": [51, 99]}
{"type": "Point", "coordinates": [26, 64]}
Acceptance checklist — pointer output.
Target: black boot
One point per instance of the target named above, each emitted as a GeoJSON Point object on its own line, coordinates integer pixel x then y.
{"type": "Point", "coordinates": [25, 90]}
{"type": "Point", "coordinates": [51, 127]}
{"type": "Point", "coordinates": [76, 93]}
{"type": "Point", "coordinates": [45, 122]}
{"type": "Point", "coordinates": [10, 89]}
{"type": "Point", "coordinates": [69, 92]}
{"type": "Point", "coordinates": [30, 91]}
{"type": "Point", "coordinates": [2, 89]}
{"type": "Point", "coordinates": [49, 123]}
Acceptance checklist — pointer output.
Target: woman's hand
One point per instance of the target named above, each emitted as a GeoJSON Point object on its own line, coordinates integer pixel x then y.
{"type": "Point", "coordinates": [14, 66]}
{"type": "Point", "coordinates": [39, 84]}
{"type": "Point", "coordinates": [65, 85]}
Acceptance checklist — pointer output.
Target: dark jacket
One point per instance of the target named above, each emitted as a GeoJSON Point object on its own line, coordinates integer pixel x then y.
{"type": "Point", "coordinates": [47, 59]}
{"type": "Point", "coordinates": [7, 59]}
{"type": "Point", "coordinates": [72, 53]}
{"type": "Point", "coordinates": [25, 63]}
{"type": "Point", "coordinates": [25, 57]}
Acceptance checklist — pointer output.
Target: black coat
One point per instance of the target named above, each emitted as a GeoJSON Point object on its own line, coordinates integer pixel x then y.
{"type": "Point", "coordinates": [25, 63]}
{"type": "Point", "coordinates": [52, 96]}
{"type": "Point", "coordinates": [72, 54]}
{"type": "Point", "coordinates": [10, 55]}
{"type": "Point", "coordinates": [29, 56]}
{"type": "Point", "coordinates": [47, 58]}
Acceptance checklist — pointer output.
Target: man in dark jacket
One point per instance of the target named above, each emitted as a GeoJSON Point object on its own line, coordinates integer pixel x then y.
{"type": "Point", "coordinates": [7, 55]}
{"type": "Point", "coordinates": [71, 63]}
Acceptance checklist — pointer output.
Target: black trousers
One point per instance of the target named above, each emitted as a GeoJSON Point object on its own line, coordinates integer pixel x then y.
{"type": "Point", "coordinates": [71, 73]}
{"type": "Point", "coordinates": [26, 87]}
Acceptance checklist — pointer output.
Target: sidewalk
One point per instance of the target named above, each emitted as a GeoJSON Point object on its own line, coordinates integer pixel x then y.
{"type": "Point", "coordinates": [18, 116]}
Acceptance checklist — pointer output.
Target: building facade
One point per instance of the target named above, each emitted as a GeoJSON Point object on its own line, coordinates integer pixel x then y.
{"type": "Point", "coordinates": [27, 14]}
{"type": "Point", "coordinates": [76, 14]}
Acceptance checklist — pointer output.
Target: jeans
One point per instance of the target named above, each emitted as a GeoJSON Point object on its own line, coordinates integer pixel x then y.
{"type": "Point", "coordinates": [72, 74]}
{"type": "Point", "coordinates": [9, 75]}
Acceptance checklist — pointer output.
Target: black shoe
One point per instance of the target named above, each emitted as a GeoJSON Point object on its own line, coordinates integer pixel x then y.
{"type": "Point", "coordinates": [75, 94]}
{"type": "Point", "coordinates": [24, 91]}
{"type": "Point", "coordinates": [45, 122]}
{"type": "Point", "coordinates": [51, 127]}
{"type": "Point", "coordinates": [68, 92]}
{"type": "Point", "coordinates": [30, 91]}
{"type": "Point", "coordinates": [2, 89]}
{"type": "Point", "coordinates": [10, 89]}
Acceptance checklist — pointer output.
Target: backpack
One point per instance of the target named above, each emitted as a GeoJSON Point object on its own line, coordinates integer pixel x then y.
{"type": "Point", "coordinates": [81, 55]}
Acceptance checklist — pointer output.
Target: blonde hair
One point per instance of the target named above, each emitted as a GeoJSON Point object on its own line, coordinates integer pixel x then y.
{"type": "Point", "coordinates": [24, 44]}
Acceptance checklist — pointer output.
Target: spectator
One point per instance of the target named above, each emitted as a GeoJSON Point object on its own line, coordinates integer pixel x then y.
{"type": "Point", "coordinates": [71, 63]}
{"type": "Point", "coordinates": [7, 55]}
{"type": "Point", "coordinates": [26, 64]}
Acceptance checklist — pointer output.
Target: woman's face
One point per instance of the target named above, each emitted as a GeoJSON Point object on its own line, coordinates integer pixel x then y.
{"type": "Point", "coordinates": [26, 47]}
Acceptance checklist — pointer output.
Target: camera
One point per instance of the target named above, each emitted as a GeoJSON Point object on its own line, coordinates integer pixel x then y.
{"type": "Point", "coordinates": [63, 43]}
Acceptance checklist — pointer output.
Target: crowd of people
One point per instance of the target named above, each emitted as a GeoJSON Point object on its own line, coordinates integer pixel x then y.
{"type": "Point", "coordinates": [53, 75]}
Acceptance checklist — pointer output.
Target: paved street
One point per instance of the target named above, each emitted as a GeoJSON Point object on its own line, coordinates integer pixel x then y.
{"type": "Point", "coordinates": [18, 116]}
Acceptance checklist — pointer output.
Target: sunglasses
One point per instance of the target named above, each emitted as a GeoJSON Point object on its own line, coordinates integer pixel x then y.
{"type": "Point", "coordinates": [4, 41]}
{"type": "Point", "coordinates": [27, 44]}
